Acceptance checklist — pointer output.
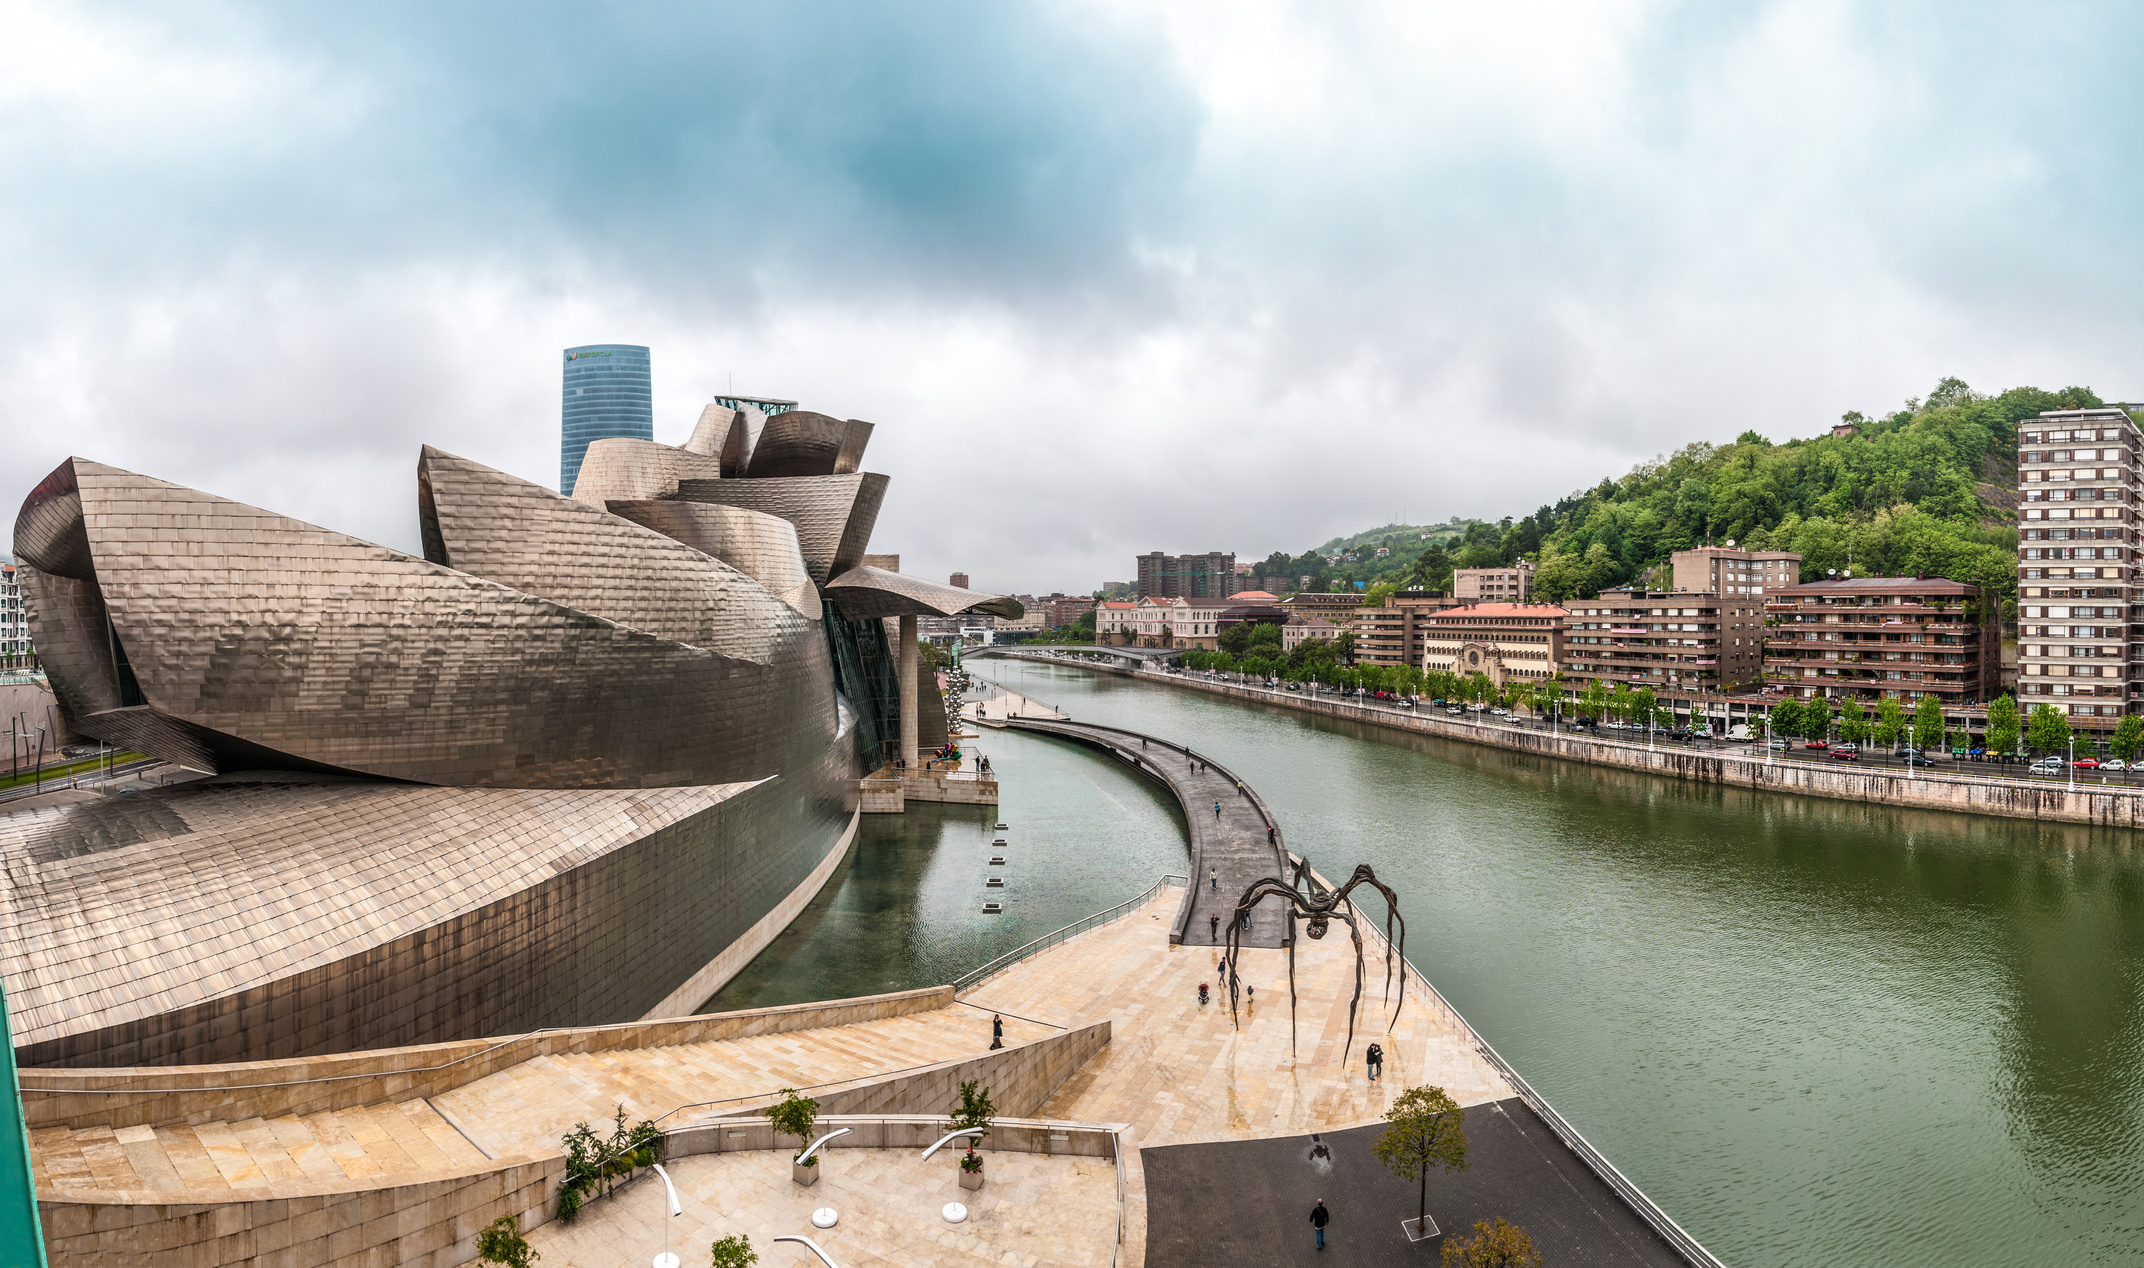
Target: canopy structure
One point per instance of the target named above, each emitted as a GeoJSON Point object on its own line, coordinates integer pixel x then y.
{"type": "Point", "coordinates": [865, 592]}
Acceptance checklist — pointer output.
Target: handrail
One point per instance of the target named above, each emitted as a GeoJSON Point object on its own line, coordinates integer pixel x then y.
{"type": "Point", "coordinates": [811, 1246]}
{"type": "Point", "coordinates": [805, 1157]}
{"type": "Point", "coordinates": [975, 1132]}
{"type": "Point", "coordinates": [974, 977]}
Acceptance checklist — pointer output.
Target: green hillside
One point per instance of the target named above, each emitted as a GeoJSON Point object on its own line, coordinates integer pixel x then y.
{"type": "Point", "coordinates": [1930, 487]}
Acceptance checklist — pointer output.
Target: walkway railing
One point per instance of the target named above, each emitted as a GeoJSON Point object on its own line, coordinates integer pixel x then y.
{"type": "Point", "coordinates": [974, 977]}
{"type": "Point", "coordinates": [1596, 1161]}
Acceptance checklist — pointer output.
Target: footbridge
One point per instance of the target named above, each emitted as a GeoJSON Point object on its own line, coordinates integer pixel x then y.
{"type": "Point", "coordinates": [1127, 657]}
{"type": "Point", "coordinates": [1235, 840]}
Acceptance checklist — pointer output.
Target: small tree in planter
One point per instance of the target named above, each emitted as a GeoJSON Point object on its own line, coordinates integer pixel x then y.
{"type": "Point", "coordinates": [1427, 1130]}
{"type": "Point", "coordinates": [734, 1251]}
{"type": "Point", "coordinates": [794, 1115]}
{"type": "Point", "coordinates": [974, 1114]}
{"type": "Point", "coordinates": [594, 1162]}
{"type": "Point", "coordinates": [501, 1243]}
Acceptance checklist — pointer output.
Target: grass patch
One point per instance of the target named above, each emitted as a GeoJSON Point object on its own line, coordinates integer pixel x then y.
{"type": "Point", "coordinates": [83, 767]}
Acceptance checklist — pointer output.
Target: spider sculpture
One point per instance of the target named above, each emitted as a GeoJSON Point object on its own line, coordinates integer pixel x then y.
{"type": "Point", "coordinates": [1303, 900]}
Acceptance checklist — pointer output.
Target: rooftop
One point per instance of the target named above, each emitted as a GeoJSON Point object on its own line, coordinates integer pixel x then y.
{"type": "Point", "coordinates": [1878, 585]}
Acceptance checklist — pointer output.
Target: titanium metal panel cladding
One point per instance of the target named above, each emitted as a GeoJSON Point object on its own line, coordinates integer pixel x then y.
{"type": "Point", "coordinates": [712, 433]}
{"type": "Point", "coordinates": [801, 443]}
{"type": "Point", "coordinates": [335, 653]}
{"type": "Point", "coordinates": [638, 469]}
{"type": "Point", "coordinates": [761, 546]}
{"type": "Point", "coordinates": [867, 592]}
{"type": "Point", "coordinates": [833, 515]}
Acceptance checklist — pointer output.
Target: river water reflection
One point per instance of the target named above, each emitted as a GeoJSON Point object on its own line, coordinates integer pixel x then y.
{"type": "Point", "coordinates": [1815, 1032]}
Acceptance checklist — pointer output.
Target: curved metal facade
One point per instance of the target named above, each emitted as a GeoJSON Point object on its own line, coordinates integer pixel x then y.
{"type": "Point", "coordinates": [542, 776]}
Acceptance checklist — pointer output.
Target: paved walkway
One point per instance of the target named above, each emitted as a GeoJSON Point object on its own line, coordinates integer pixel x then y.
{"type": "Point", "coordinates": [1032, 1212]}
{"type": "Point", "coordinates": [1231, 848]}
{"type": "Point", "coordinates": [1247, 1204]}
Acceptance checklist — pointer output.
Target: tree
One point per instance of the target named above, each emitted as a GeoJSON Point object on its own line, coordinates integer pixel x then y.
{"type": "Point", "coordinates": [1236, 639]}
{"type": "Point", "coordinates": [2128, 737]}
{"type": "Point", "coordinates": [1787, 718]}
{"type": "Point", "coordinates": [1498, 1245]}
{"type": "Point", "coordinates": [2002, 725]}
{"type": "Point", "coordinates": [973, 1113]}
{"type": "Point", "coordinates": [501, 1243]}
{"type": "Point", "coordinates": [1890, 722]}
{"type": "Point", "coordinates": [734, 1251]}
{"type": "Point", "coordinates": [1428, 1129]}
{"type": "Point", "coordinates": [1853, 720]}
{"type": "Point", "coordinates": [794, 1115]}
{"type": "Point", "coordinates": [2048, 730]}
{"type": "Point", "coordinates": [1928, 721]}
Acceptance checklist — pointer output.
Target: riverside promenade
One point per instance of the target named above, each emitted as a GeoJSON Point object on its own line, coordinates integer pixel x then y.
{"type": "Point", "coordinates": [2102, 805]}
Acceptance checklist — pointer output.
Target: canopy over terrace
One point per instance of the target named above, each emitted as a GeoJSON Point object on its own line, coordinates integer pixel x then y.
{"type": "Point", "coordinates": [866, 592]}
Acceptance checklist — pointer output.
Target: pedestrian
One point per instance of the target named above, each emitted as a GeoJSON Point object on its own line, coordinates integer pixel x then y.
{"type": "Point", "coordinates": [1217, 810]}
{"type": "Point", "coordinates": [1216, 875]}
{"type": "Point", "coordinates": [1271, 837]}
{"type": "Point", "coordinates": [1376, 1060]}
{"type": "Point", "coordinates": [997, 1031]}
{"type": "Point", "coordinates": [1246, 920]}
{"type": "Point", "coordinates": [1213, 925]}
{"type": "Point", "coordinates": [1319, 1218]}
{"type": "Point", "coordinates": [1250, 995]}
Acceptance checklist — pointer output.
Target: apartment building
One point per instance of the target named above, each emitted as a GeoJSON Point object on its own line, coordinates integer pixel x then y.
{"type": "Point", "coordinates": [1900, 638]}
{"type": "Point", "coordinates": [1212, 575]}
{"type": "Point", "coordinates": [1508, 583]}
{"type": "Point", "coordinates": [1060, 610]}
{"type": "Point", "coordinates": [2080, 610]}
{"type": "Point", "coordinates": [1115, 621]}
{"type": "Point", "coordinates": [1299, 628]}
{"type": "Point", "coordinates": [1683, 644]}
{"type": "Point", "coordinates": [15, 649]}
{"type": "Point", "coordinates": [1337, 608]}
{"type": "Point", "coordinates": [1173, 622]}
{"type": "Point", "coordinates": [1735, 574]}
{"type": "Point", "coordinates": [1396, 632]}
{"type": "Point", "coordinates": [1504, 641]}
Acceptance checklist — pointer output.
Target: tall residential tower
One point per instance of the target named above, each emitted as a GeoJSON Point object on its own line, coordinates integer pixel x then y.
{"type": "Point", "coordinates": [2080, 476]}
{"type": "Point", "coordinates": [606, 394]}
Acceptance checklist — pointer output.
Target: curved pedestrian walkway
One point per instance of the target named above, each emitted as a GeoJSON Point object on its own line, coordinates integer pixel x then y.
{"type": "Point", "coordinates": [1235, 840]}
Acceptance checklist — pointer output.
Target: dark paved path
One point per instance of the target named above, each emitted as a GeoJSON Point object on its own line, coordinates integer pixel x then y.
{"type": "Point", "coordinates": [1229, 851]}
{"type": "Point", "coordinates": [1246, 1204]}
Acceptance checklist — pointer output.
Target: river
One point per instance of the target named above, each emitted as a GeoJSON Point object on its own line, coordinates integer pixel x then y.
{"type": "Point", "coordinates": [1815, 1032]}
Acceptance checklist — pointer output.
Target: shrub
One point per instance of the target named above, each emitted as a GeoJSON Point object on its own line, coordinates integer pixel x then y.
{"type": "Point", "coordinates": [594, 1162]}
{"type": "Point", "coordinates": [501, 1243]}
{"type": "Point", "coordinates": [734, 1251]}
{"type": "Point", "coordinates": [1498, 1245]}
{"type": "Point", "coordinates": [974, 1112]}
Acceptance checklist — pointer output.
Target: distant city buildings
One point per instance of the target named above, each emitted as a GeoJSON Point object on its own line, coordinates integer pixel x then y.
{"type": "Point", "coordinates": [1504, 642]}
{"type": "Point", "coordinates": [1509, 583]}
{"type": "Point", "coordinates": [1396, 632]}
{"type": "Point", "coordinates": [606, 394]}
{"type": "Point", "coordinates": [1115, 621]}
{"type": "Point", "coordinates": [958, 580]}
{"type": "Point", "coordinates": [1299, 628]}
{"type": "Point", "coordinates": [1877, 637]}
{"type": "Point", "coordinates": [2079, 488]}
{"type": "Point", "coordinates": [1734, 573]}
{"type": "Point", "coordinates": [1209, 576]}
{"type": "Point", "coordinates": [1680, 643]}
{"type": "Point", "coordinates": [1334, 607]}
{"type": "Point", "coordinates": [15, 648]}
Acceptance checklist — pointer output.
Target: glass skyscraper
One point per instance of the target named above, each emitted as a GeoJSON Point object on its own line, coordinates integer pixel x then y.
{"type": "Point", "coordinates": [606, 394]}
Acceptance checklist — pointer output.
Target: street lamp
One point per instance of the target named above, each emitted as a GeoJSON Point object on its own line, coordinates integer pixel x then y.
{"type": "Point", "coordinates": [668, 1259]}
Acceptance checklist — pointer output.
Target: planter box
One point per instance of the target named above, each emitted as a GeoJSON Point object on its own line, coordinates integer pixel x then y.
{"type": "Point", "coordinates": [805, 1175]}
{"type": "Point", "coordinates": [971, 1179]}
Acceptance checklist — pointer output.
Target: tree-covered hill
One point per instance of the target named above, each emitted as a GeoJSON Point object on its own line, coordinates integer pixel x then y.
{"type": "Point", "coordinates": [1930, 487]}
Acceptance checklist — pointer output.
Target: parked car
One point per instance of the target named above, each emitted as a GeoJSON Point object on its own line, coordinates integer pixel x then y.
{"type": "Point", "coordinates": [1918, 759]}
{"type": "Point", "coordinates": [1681, 737]}
{"type": "Point", "coordinates": [2114, 764]}
{"type": "Point", "coordinates": [2046, 766]}
{"type": "Point", "coordinates": [1455, 710]}
{"type": "Point", "coordinates": [1820, 744]}
{"type": "Point", "coordinates": [2087, 763]}
{"type": "Point", "coordinates": [1846, 752]}
{"type": "Point", "coordinates": [1499, 713]}
{"type": "Point", "coordinates": [1777, 746]}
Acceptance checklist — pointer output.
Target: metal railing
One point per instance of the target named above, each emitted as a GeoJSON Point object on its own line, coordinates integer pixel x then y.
{"type": "Point", "coordinates": [974, 977]}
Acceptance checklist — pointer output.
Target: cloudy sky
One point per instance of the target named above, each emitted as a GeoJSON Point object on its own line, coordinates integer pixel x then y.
{"type": "Point", "coordinates": [1110, 277]}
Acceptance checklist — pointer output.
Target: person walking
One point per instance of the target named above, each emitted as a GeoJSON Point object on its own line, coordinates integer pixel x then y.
{"type": "Point", "coordinates": [1213, 924]}
{"type": "Point", "coordinates": [1271, 836]}
{"type": "Point", "coordinates": [997, 1032]}
{"type": "Point", "coordinates": [1216, 873]}
{"type": "Point", "coordinates": [1217, 810]}
{"type": "Point", "coordinates": [1375, 1058]}
{"type": "Point", "coordinates": [1319, 1218]}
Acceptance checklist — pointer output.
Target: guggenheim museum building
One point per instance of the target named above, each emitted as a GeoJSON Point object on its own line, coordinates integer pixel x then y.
{"type": "Point", "coordinates": [577, 764]}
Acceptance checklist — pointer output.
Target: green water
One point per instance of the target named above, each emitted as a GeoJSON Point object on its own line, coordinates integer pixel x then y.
{"type": "Point", "coordinates": [1815, 1032]}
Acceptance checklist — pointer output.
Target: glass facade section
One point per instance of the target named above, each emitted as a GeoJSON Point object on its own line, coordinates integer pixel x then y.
{"type": "Point", "coordinates": [606, 394]}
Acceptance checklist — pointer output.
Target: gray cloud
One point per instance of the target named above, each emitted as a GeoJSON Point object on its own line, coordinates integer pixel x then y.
{"type": "Point", "coordinates": [1109, 280]}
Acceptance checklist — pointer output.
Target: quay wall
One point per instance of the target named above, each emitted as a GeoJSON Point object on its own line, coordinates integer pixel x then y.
{"type": "Point", "coordinates": [2099, 805]}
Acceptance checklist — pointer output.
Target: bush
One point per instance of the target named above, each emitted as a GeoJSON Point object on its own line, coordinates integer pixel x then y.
{"type": "Point", "coordinates": [734, 1251]}
{"type": "Point", "coordinates": [501, 1243]}
{"type": "Point", "coordinates": [594, 1162]}
{"type": "Point", "coordinates": [1498, 1245]}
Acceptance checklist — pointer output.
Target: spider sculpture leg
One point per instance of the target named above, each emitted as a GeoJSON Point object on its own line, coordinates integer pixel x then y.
{"type": "Point", "coordinates": [1290, 909]}
{"type": "Point", "coordinates": [1364, 876]}
{"type": "Point", "coordinates": [1356, 934]}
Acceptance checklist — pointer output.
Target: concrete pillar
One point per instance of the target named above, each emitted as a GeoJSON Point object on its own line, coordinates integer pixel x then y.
{"type": "Point", "coordinates": [908, 690]}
